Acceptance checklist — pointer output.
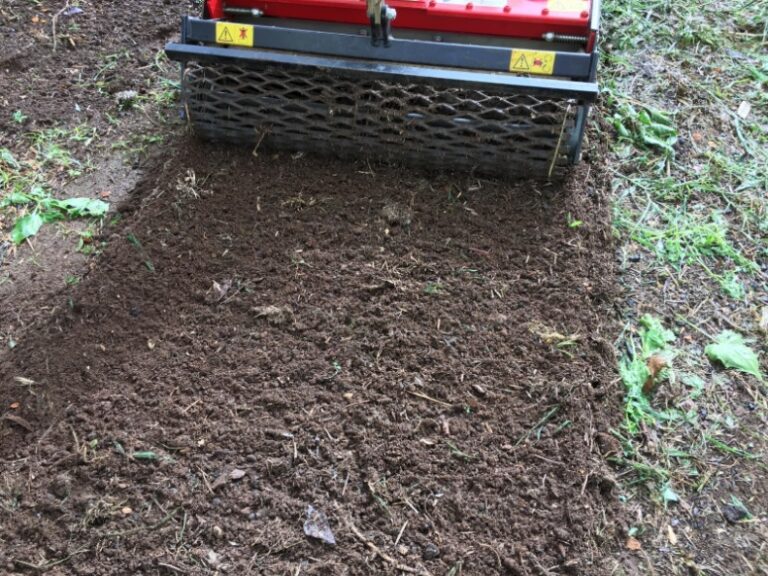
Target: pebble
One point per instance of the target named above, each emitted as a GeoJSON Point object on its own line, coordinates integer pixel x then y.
{"type": "Point", "coordinates": [430, 552]}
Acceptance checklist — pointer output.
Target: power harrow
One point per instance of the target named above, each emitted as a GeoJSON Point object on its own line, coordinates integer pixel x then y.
{"type": "Point", "coordinates": [503, 87]}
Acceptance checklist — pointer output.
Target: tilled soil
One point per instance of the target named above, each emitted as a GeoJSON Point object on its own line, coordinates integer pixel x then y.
{"type": "Point", "coordinates": [420, 359]}
{"type": "Point", "coordinates": [102, 48]}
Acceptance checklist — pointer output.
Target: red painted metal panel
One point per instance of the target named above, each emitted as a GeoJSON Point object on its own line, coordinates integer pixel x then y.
{"type": "Point", "coordinates": [511, 18]}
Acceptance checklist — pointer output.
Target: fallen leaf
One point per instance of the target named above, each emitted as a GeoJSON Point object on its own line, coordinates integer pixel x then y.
{"type": "Point", "coordinates": [655, 365]}
{"type": "Point", "coordinates": [316, 526]}
{"type": "Point", "coordinates": [671, 535]}
{"type": "Point", "coordinates": [731, 350]}
{"type": "Point", "coordinates": [14, 406]}
{"type": "Point", "coordinates": [633, 544]}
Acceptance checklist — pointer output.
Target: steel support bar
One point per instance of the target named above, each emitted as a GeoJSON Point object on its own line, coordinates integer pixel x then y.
{"type": "Point", "coordinates": [395, 72]}
{"type": "Point", "coordinates": [573, 65]}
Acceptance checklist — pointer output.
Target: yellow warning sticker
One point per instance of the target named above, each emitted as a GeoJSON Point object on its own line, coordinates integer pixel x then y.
{"type": "Point", "coordinates": [532, 62]}
{"type": "Point", "coordinates": [234, 34]}
{"type": "Point", "coordinates": [567, 5]}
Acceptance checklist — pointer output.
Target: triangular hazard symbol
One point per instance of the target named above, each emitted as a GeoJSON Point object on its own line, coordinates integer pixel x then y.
{"type": "Point", "coordinates": [225, 36]}
{"type": "Point", "coordinates": [521, 63]}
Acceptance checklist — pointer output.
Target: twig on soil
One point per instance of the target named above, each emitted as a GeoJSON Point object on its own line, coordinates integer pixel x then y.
{"type": "Point", "coordinates": [425, 397]}
{"type": "Point", "coordinates": [205, 480]}
{"type": "Point", "coordinates": [55, 20]}
{"type": "Point", "coordinates": [150, 528]}
{"type": "Point", "coordinates": [400, 534]}
{"type": "Point", "coordinates": [539, 424]}
{"type": "Point", "coordinates": [172, 567]}
{"type": "Point", "coordinates": [383, 555]}
{"type": "Point", "coordinates": [45, 566]}
{"type": "Point", "coordinates": [694, 326]}
{"type": "Point", "coordinates": [496, 552]}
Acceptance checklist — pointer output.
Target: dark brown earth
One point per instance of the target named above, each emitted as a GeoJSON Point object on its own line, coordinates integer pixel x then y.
{"type": "Point", "coordinates": [382, 371]}
{"type": "Point", "coordinates": [107, 48]}
{"type": "Point", "coordinates": [425, 359]}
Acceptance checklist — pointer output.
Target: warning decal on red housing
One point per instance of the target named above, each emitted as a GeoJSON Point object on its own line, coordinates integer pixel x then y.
{"type": "Point", "coordinates": [532, 62]}
{"type": "Point", "coordinates": [234, 34]}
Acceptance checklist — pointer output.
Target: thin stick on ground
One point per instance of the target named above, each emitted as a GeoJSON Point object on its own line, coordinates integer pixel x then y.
{"type": "Point", "coordinates": [384, 556]}
{"type": "Point", "coordinates": [55, 21]}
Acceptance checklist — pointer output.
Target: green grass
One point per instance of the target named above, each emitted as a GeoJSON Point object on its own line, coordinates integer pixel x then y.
{"type": "Point", "coordinates": [26, 193]}
{"type": "Point", "coordinates": [685, 105]}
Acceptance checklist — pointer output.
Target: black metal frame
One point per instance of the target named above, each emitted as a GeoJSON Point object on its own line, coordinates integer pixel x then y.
{"type": "Point", "coordinates": [573, 65]}
{"type": "Point", "coordinates": [436, 76]}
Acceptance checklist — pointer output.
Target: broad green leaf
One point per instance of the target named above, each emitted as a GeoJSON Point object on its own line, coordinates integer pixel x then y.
{"type": "Point", "coordinates": [654, 336]}
{"type": "Point", "coordinates": [15, 199]}
{"type": "Point", "coordinates": [8, 158]}
{"type": "Point", "coordinates": [731, 350]}
{"type": "Point", "coordinates": [83, 207]}
{"type": "Point", "coordinates": [669, 494]}
{"type": "Point", "coordinates": [25, 227]}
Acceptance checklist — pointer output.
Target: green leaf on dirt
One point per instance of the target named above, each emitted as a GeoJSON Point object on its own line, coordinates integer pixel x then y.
{"type": "Point", "coordinates": [25, 227]}
{"type": "Point", "coordinates": [731, 350]}
{"type": "Point", "coordinates": [83, 207]}
{"type": "Point", "coordinates": [654, 337]}
{"type": "Point", "coordinates": [669, 494]}
{"type": "Point", "coordinates": [737, 503]}
{"type": "Point", "coordinates": [7, 158]}
{"type": "Point", "coordinates": [15, 199]}
{"type": "Point", "coordinates": [635, 373]}
{"type": "Point", "coordinates": [147, 455]}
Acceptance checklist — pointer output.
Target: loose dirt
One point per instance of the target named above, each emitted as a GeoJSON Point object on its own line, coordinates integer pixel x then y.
{"type": "Point", "coordinates": [450, 373]}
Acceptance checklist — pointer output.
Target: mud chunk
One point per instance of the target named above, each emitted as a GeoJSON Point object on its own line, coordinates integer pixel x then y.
{"type": "Point", "coordinates": [396, 214]}
{"type": "Point", "coordinates": [275, 315]}
{"type": "Point", "coordinates": [61, 486]}
{"type": "Point", "coordinates": [734, 513]}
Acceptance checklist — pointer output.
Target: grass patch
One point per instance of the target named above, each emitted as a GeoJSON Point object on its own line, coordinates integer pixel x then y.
{"type": "Point", "coordinates": [25, 182]}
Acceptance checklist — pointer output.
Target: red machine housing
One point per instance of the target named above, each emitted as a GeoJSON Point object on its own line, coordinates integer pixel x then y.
{"type": "Point", "coordinates": [529, 19]}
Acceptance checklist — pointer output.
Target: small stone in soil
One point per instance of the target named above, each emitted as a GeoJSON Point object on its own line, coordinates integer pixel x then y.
{"type": "Point", "coordinates": [430, 552]}
{"type": "Point", "coordinates": [734, 513]}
